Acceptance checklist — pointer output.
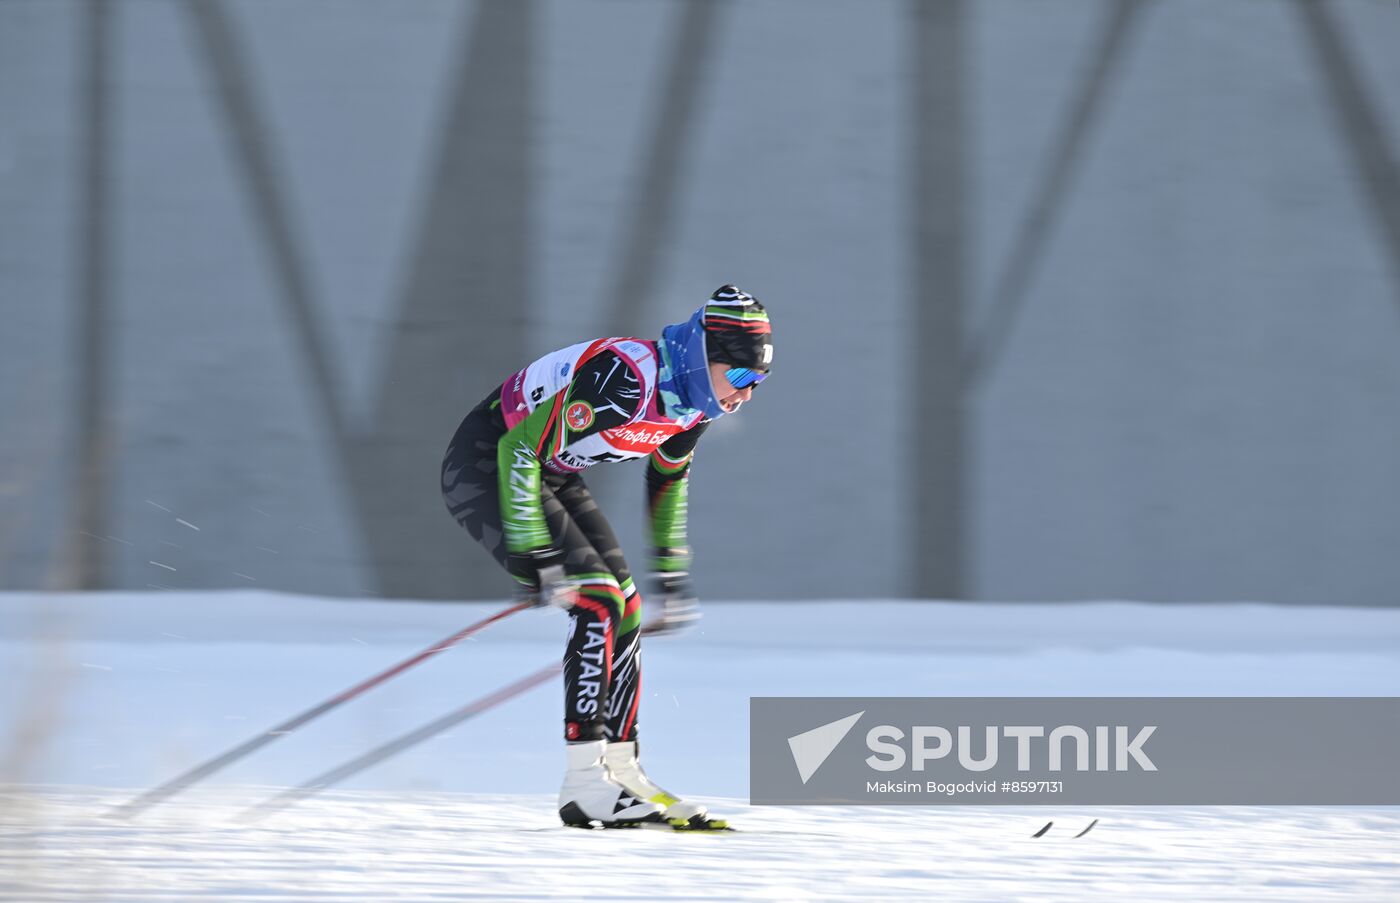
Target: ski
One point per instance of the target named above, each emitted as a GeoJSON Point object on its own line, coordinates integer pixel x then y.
{"type": "Point", "coordinates": [700, 824]}
{"type": "Point", "coordinates": [1042, 831]}
{"type": "Point", "coordinates": [695, 825]}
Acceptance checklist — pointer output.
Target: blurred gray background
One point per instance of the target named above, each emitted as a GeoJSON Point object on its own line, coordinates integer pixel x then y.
{"type": "Point", "coordinates": [1072, 299]}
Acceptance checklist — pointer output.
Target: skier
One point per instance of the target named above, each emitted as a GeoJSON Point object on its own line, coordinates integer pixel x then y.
{"type": "Point", "coordinates": [511, 478]}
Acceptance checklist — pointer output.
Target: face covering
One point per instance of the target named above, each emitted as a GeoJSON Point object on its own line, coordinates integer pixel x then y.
{"type": "Point", "coordinates": [684, 381]}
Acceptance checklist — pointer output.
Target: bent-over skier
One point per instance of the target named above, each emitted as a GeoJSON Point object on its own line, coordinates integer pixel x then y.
{"type": "Point", "coordinates": [511, 478]}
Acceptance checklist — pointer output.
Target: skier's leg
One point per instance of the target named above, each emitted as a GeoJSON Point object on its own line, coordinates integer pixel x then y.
{"type": "Point", "coordinates": [469, 485]}
{"type": "Point", "coordinates": [626, 689]}
{"type": "Point", "coordinates": [472, 496]}
{"type": "Point", "coordinates": [625, 677]}
{"type": "Point", "coordinates": [624, 694]}
{"type": "Point", "coordinates": [471, 492]}
{"type": "Point", "coordinates": [589, 793]}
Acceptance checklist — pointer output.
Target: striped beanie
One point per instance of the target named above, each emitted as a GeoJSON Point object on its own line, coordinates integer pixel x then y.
{"type": "Point", "coordinates": [737, 331]}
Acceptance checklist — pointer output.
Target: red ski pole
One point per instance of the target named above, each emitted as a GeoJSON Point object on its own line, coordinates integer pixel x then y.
{"type": "Point", "coordinates": [200, 772]}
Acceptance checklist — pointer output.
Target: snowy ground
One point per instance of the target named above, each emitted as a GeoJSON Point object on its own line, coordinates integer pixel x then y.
{"type": "Point", "coordinates": [381, 846]}
{"type": "Point", "coordinates": [105, 695]}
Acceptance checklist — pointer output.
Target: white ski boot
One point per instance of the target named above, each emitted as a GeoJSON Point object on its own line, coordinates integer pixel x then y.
{"type": "Point", "coordinates": [623, 767]}
{"type": "Point", "coordinates": [590, 797]}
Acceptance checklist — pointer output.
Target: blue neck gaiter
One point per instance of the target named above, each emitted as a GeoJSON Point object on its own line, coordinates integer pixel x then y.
{"type": "Point", "coordinates": [684, 378]}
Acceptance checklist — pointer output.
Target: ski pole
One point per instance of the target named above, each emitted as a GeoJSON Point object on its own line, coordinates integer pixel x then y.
{"type": "Point", "coordinates": [393, 747]}
{"type": "Point", "coordinates": [412, 738]}
{"type": "Point", "coordinates": [199, 772]}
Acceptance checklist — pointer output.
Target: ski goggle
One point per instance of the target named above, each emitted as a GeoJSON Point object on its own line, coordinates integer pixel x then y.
{"type": "Point", "coordinates": [743, 377]}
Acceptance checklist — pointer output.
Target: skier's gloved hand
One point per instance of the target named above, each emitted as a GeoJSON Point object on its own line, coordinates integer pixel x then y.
{"type": "Point", "coordinates": [680, 609]}
{"type": "Point", "coordinates": [542, 573]}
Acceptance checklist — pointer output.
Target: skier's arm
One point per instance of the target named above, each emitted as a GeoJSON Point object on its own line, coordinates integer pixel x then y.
{"type": "Point", "coordinates": [608, 388]}
{"type": "Point", "coordinates": [668, 478]}
{"type": "Point", "coordinates": [668, 481]}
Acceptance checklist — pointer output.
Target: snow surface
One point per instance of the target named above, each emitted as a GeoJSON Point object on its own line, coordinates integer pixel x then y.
{"type": "Point", "coordinates": [108, 694]}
